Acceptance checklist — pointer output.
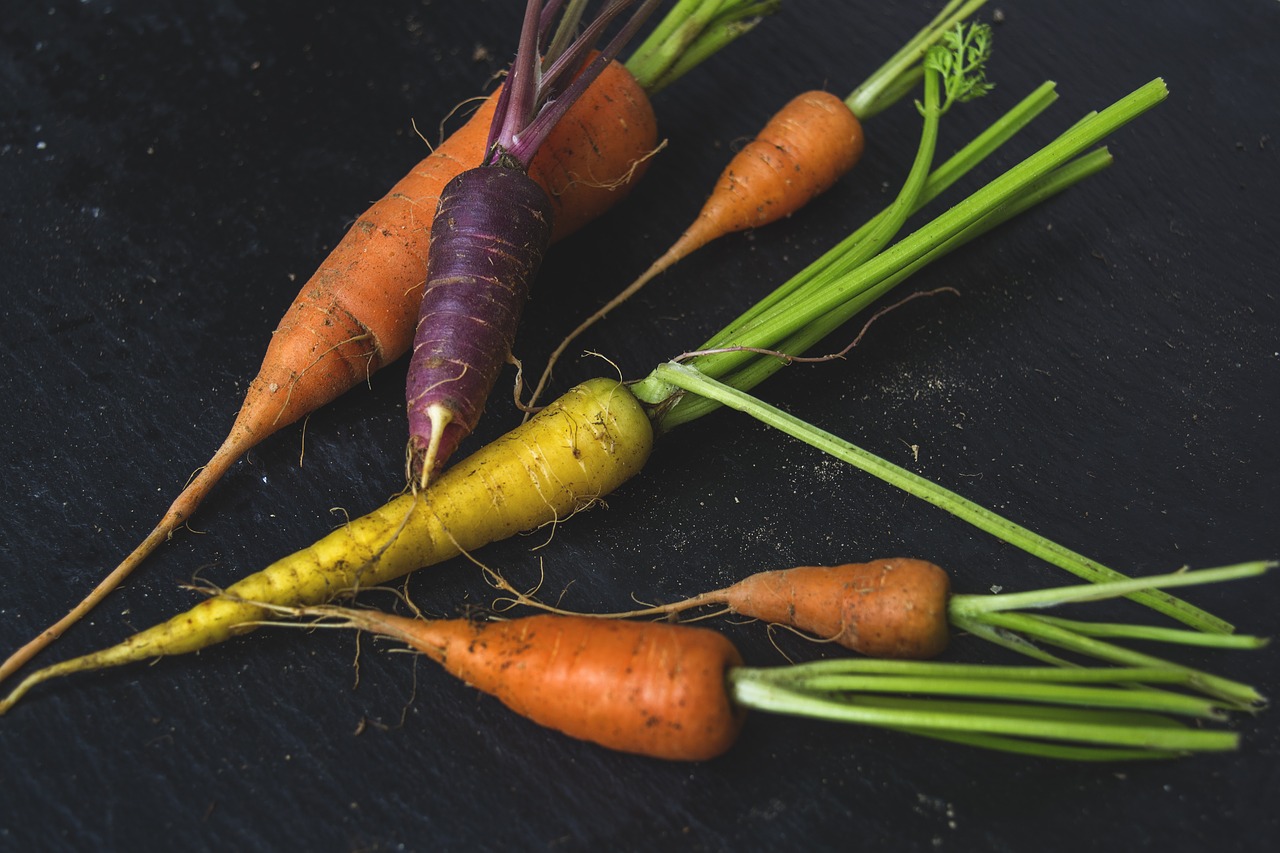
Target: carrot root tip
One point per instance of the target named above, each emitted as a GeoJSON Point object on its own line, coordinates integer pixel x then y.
{"type": "Point", "coordinates": [422, 461]}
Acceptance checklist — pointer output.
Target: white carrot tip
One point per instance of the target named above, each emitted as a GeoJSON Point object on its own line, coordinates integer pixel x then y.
{"type": "Point", "coordinates": [441, 416]}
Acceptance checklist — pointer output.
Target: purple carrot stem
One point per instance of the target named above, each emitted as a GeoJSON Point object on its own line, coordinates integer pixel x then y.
{"type": "Point", "coordinates": [545, 121]}
{"type": "Point", "coordinates": [520, 99]}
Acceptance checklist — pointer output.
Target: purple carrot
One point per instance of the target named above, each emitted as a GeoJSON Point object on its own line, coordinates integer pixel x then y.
{"type": "Point", "coordinates": [478, 275]}
{"type": "Point", "coordinates": [491, 228]}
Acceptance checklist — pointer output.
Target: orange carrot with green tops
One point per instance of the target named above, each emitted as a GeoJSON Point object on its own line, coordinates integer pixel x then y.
{"type": "Point", "coordinates": [902, 608]}
{"type": "Point", "coordinates": [801, 152]}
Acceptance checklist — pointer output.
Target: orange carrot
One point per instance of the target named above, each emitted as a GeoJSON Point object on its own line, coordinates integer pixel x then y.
{"type": "Point", "coordinates": [357, 312]}
{"type": "Point", "coordinates": [888, 608]}
{"type": "Point", "coordinates": [800, 154]}
{"type": "Point", "coordinates": [802, 151]}
{"type": "Point", "coordinates": [653, 688]}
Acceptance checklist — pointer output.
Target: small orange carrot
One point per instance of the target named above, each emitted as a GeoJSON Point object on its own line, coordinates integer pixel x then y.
{"type": "Point", "coordinates": [802, 151]}
{"type": "Point", "coordinates": [798, 155]}
{"type": "Point", "coordinates": [888, 608]}
{"type": "Point", "coordinates": [357, 312]}
{"type": "Point", "coordinates": [893, 608]}
{"type": "Point", "coordinates": [653, 688]}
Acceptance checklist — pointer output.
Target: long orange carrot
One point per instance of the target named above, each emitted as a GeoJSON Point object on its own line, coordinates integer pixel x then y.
{"type": "Point", "coordinates": [356, 314]}
{"type": "Point", "coordinates": [800, 153]}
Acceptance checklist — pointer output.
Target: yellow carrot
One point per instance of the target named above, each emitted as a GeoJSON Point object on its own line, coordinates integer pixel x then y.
{"type": "Point", "coordinates": [580, 448]}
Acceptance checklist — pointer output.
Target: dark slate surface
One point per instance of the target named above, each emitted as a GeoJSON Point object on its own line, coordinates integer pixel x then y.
{"type": "Point", "coordinates": [170, 172]}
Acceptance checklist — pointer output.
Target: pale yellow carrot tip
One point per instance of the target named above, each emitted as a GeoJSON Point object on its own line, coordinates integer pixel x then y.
{"type": "Point", "coordinates": [86, 663]}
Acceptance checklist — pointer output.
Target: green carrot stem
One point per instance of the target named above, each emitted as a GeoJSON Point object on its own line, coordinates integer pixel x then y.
{"type": "Point", "coordinates": [1243, 699]}
{"type": "Point", "coordinates": [988, 672]}
{"type": "Point", "coordinates": [752, 689]}
{"type": "Point", "coordinates": [690, 33]}
{"type": "Point", "coordinates": [1155, 634]}
{"type": "Point", "coordinates": [822, 297]}
{"type": "Point", "coordinates": [1076, 593]}
{"type": "Point", "coordinates": [729, 27]}
{"type": "Point", "coordinates": [888, 224]}
{"type": "Point", "coordinates": [1026, 691]}
{"type": "Point", "coordinates": [1011, 641]}
{"type": "Point", "coordinates": [676, 29]}
{"type": "Point", "coordinates": [1039, 749]}
{"type": "Point", "coordinates": [566, 30]}
{"type": "Point", "coordinates": [689, 379]}
{"type": "Point", "coordinates": [891, 81]}
{"type": "Point", "coordinates": [755, 372]}
{"type": "Point", "coordinates": [1024, 711]}
{"type": "Point", "coordinates": [1239, 695]}
{"type": "Point", "coordinates": [828, 673]}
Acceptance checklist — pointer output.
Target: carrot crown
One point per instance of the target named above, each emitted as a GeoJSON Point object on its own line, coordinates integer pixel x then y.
{"type": "Point", "coordinates": [537, 95]}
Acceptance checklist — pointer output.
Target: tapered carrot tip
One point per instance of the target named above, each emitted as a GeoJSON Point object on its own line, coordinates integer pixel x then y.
{"type": "Point", "coordinates": [422, 457]}
{"type": "Point", "coordinates": [239, 441]}
{"type": "Point", "coordinates": [211, 621]}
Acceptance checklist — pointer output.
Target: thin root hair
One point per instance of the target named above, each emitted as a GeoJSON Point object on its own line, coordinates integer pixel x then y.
{"type": "Point", "coordinates": [458, 107]}
{"type": "Point", "coordinates": [293, 383]}
{"type": "Point", "coordinates": [302, 441]}
{"type": "Point", "coordinates": [620, 181]}
{"type": "Point", "coordinates": [495, 579]}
